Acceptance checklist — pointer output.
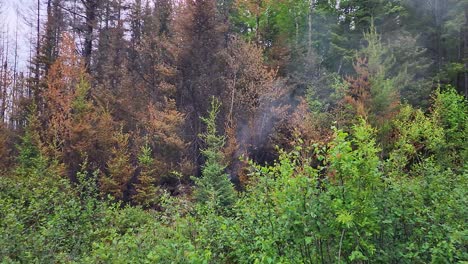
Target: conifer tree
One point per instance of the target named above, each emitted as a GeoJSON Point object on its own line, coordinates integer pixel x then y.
{"type": "Point", "coordinates": [54, 28]}
{"type": "Point", "coordinates": [4, 147]}
{"type": "Point", "coordinates": [254, 102]}
{"type": "Point", "coordinates": [200, 37]}
{"type": "Point", "coordinates": [69, 113]}
{"type": "Point", "coordinates": [374, 92]}
{"type": "Point", "coordinates": [214, 186]}
{"type": "Point", "coordinates": [161, 124]}
{"type": "Point", "coordinates": [30, 152]}
{"type": "Point", "coordinates": [147, 192]}
{"type": "Point", "coordinates": [120, 170]}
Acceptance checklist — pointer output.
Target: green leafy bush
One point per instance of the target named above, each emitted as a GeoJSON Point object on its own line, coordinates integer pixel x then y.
{"type": "Point", "coordinates": [346, 201]}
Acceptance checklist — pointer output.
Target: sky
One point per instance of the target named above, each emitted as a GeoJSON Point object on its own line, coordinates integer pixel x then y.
{"type": "Point", "coordinates": [12, 17]}
{"type": "Point", "coordinates": [10, 12]}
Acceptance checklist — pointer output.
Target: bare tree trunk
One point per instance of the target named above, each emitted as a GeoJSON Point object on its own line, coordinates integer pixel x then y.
{"type": "Point", "coordinates": [2, 63]}
{"type": "Point", "coordinates": [436, 11]}
{"type": "Point", "coordinates": [15, 61]}
{"type": "Point", "coordinates": [309, 31]}
{"type": "Point", "coordinates": [14, 89]}
{"type": "Point", "coordinates": [465, 50]}
{"type": "Point", "coordinates": [38, 43]}
{"type": "Point", "coordinates": [296, 38]}
{"type": "Point", "coordinates": [31, 51]}
{"type": "Point", "coordinates": [257, 22]}
{"type": "Point", "coordinates": [231, 109]}
{"type": "Point", "coordinates": [5, 83]}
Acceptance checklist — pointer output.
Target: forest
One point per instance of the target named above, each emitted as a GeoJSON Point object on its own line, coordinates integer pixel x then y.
{"type": "Point", "coordinates": [235, 131]}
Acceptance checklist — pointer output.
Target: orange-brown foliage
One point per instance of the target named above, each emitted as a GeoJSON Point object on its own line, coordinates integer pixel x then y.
{"type": "Point", "coordinates": [68, 114]}
{"type": "Point", "coordinates": [359, 94]}
{"type": "Point", "coordinates": [306, 126]}
{"type": "Point", "coordinates": [163, 123]}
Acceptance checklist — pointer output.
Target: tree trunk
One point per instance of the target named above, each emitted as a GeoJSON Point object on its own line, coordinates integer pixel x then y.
{"type": "Point", "coordinates": [38, 44]}
{"type": "Point", "coordinates": [14, 89]}
{"type": "Point", "coordinates": [5, 83]}
{"type": "Point", "coordinates": [465, 51]}
{"type": "Point", "coordinates": [91, 8]}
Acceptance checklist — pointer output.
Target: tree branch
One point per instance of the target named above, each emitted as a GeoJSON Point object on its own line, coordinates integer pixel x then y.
{"type": "Point", "coordinates": [70, 11]}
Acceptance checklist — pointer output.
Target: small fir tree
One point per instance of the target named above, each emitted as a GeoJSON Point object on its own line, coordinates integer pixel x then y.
{"type": "Point", "coordinates": [163, 123]}
{"type": "Point", "coordinates": [119, 168]}
{"type": "Point", "coordinates": [30, 156]}
{"type": "Point", "coordinates": [147, 192]}
{"type": "Point", "coordinates": [214, 187]}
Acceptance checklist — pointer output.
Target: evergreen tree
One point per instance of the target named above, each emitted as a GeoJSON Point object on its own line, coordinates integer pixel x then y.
{"type": "Point", "coordinates": [54, 28]}
{"type": "Point", "coordinates": [120, 170]}
{"type": "Point", "coordinates": [200, 37]}
{"type": "Point", "coordinates": [30, 150]}
{"type": "Point", "coordinates": [162, 124]}
{"type": "Point", "coordinates": [214, 187]}
{"type": "Point", "coordinates": [69, 112]}
{"type": "Point", "coordinates": [4, 147]}
{"type": "Point", "coordinates": [375, 91]}
{"type": "Point", "coordinates": [147, 191]}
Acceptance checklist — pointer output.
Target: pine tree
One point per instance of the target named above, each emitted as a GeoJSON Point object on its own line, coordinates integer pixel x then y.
{"type": "Point", "coordinates": [214, 187]}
